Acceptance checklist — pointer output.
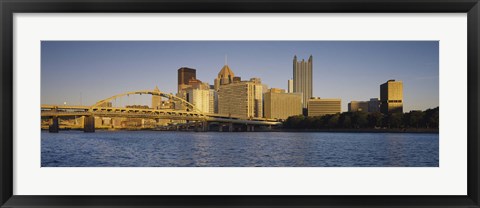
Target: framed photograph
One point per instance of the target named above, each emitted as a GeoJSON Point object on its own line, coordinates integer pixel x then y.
{"type": "Point", "coordinates": [239, 104]}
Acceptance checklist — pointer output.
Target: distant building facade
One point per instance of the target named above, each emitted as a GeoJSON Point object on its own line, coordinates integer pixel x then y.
{"type": "Point", "coordinates": [240, 99]}
{"type": "Point", "coordinates": [281, 105]}
{"type": "Point", "coordinates": [290, 86]}
{"type": "Point", "coordinates": [106, 104]}
{"type": "Point", "coordinates": [212, 101]}
{"type": "Point", "coordinates": [156, 99]}
{"type": "Point", "coordinates": [373, 105]}
{"type": "Point", "coordinates": [391, 97]}
{"type": "Point", "coordinates": [200, 98]}
{"type": "Point", "coordinates": [322, 106]}
{"type": "Point", "coordinates": [302, 78]}
{"type": "Point", "coordinates": [355, 106]}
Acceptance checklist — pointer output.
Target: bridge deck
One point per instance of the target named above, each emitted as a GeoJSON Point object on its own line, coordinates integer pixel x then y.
{"type": "Point", "coordinates": [65, 111]}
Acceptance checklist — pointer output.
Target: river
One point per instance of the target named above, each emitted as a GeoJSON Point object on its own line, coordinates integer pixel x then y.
{"type": "Point", "coordinates": [238, 149]}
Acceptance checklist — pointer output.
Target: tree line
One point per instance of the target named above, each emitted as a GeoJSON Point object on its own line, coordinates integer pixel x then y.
{"type": "Point", "coordinates": [363, 120]}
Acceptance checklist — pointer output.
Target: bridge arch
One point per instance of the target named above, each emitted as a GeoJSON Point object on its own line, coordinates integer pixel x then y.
{"type": "Point", "coordinates": [189, 106]}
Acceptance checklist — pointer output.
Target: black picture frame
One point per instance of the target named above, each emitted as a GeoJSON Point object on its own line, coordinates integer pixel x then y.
{"type": "Point", "coordinates": [9, 7]}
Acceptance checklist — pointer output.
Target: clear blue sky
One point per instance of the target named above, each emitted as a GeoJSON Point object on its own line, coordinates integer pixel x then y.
{"type": "Point", "coordinates": [87, 71]}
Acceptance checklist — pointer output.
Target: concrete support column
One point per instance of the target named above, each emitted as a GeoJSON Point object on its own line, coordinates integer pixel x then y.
{"type": "Point", "coordinates": [198, 126]}
{"type": "Point", "coordinates": [220, 127]}
{"type": "Point", "coordinates": [53, 128]}
{"type": "Point", "coordinates": [89, 124]}
{"type": "Point", "coordinates": [230, 127]}
{"type": "Point", "coordinates": [205, 126]}
{"type": "Point", "coordinates": [252, 128]}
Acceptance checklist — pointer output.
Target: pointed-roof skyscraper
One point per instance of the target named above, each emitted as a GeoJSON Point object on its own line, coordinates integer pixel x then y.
{"type": "Point", "coordinates": [302, 78]}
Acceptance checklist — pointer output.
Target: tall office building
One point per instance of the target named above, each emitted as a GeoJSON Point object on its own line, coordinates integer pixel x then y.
{"type": "Point", "coordinates": [391, 97]}
{"type": "Point", "coordinates": [322, 106]}
{"type": "Point", "coordinates": [281, 105]}
{"type": "Point", "coordinates": [240, 99]}
{"type": "Point", "coordinates": [185, 74]}
{"type": "Point", "coordinates": [302, 78]}
{"type": "Point", "coordinates": [290, 86]}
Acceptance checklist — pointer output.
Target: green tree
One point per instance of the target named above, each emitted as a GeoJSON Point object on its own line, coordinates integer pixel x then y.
{"type": "Point", "coordinates": [293, 122]}
{"type": "Point", "coordinates": [359, 119]}
{"type": "Point", "coordinates": [431, 118]}
{"type": "Point", "coordinates": [414, 119]}
{"type": "Point", "coordinates": [375, 119]}
{"type": "Point", "coordinates": [395, 120]}
{"type": "Point", "coordinates": [332, 121]}
{"type": "Point", "coordinates": [345, 120]}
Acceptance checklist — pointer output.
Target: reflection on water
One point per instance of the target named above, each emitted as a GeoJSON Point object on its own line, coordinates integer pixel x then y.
{"type": "Point", "coordinates": [247, 149]}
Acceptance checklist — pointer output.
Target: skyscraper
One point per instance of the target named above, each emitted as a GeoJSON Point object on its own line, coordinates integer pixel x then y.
{"type": "Point", "coordinates": [391, 97]}
{"type": "Point", "coordinates": [302, 78]}
{"type": "Point", "coordinates": [185, 74]}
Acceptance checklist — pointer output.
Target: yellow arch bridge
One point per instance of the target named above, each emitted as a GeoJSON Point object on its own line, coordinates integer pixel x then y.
{"type": "Point", "coordinates": [194, 118]}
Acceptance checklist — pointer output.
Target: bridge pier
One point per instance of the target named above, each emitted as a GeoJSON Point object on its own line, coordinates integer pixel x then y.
{"type": "Point", "coordinates": [88, 124]}
{"type": "Point", "coordinates": [198, 127]}
{"type": "Point", "coordinates": [53, 128]}
{"type": "Point", "coordinates": [205, 126]}
{"type": "Point", "coordinates": [230, 127]}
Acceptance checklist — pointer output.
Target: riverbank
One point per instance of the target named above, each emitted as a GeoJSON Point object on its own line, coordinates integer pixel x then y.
{"type": "Point", "coordinates": [420, 130]}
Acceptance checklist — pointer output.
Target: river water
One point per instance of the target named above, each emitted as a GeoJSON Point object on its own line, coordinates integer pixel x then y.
{"type": "Point", "coordinates": [238, 149]}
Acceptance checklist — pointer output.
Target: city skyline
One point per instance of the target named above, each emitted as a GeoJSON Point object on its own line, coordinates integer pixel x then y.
{"type": "Point", "coordinates": [350, 70]}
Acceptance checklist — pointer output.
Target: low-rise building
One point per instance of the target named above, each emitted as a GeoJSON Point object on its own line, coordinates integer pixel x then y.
{"type": "Point", "coordinates": [324, 106]}
{"type": "Point", "coordinates": [281, 105]}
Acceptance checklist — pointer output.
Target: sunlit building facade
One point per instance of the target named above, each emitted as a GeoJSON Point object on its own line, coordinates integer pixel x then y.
{"type": "Point", "coordinates": [391, 97]}
{"type": "Point", "coordinates": [242, 99]}
{"type": "Point", "coordinates": [281, 105]}
{"type": "Point", "coordinates": [290, 86]}
{"type": "Point", "coordinates": [322, 106]}
{"type": "Point", "coordinates": [199, 98]}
